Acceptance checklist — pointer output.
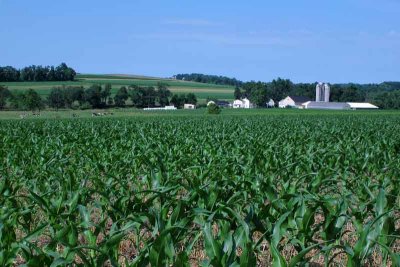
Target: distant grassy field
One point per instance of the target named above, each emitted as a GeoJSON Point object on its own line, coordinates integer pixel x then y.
{"type": "Point", "coordinates": [201, 90]}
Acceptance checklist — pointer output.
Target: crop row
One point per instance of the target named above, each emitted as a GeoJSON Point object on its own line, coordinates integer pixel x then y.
{"type": "Point", "coordinates": [219, 191]}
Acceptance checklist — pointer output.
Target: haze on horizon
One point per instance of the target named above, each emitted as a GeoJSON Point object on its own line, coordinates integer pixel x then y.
{"type": "Point", "coordinates": [334, 41]}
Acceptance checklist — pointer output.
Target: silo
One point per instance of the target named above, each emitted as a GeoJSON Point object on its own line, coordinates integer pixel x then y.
{"type": "Point", "coordinates": [327, 92]}
{"type": "Point", "coordinates": [318, 92]}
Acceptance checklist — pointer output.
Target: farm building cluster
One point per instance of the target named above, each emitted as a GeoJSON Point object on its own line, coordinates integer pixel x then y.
{"type": "Point", "coordinates": [322, 101]}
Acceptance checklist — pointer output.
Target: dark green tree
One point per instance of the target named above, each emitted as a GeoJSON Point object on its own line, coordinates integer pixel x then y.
{"type": "Point", "coordinates": [28, 74]}
{"type": "Point", "coordinates": [259, 97]}
{"type": "Point", "coordinates": [4, 95]}
{"type": "Point", "coordinates": [178, 100]}
{"type": "Point", "coordinates": [150, 96]}
{"type": "Point", "coordinates": [213, 108]}
{"type": "Point", "coordinates": [352, 94]}
{"type": "Point", "coordinates": [280, 88]}
{"type": "Point", "coordinates": [9, 74]}
{"type": "Point", "coordinates": [56, 98]}
{"type": "Point", "coordinates": [75, 93]}
{"type": "Point", "coordinates": [64, 73]}
{"type": "Point", "coordinates": [237, 93]}
{"type": "Point", "coordinates": [191, 99]}
{"type": "Point", "coordinates": [17, 100]}
{"type": "Point", "coordinates": [106, 93]}
{"type": "Point", "coordinates": [93, 96]}
{"type": "Point", "coordinates": [163, 94]}
{"type": "Point", "coordinates": [143, 96]}
{"type": "Point", "coordinates": [202, 78]}
{"type": "Point", "coordinates": [51, 75]}
{"type": "Point", "coordinates": [33, 101]}
{"type": "Point", "coordinates": [137, 96]}
{"type": "Point", "coordinates": [121, 97]}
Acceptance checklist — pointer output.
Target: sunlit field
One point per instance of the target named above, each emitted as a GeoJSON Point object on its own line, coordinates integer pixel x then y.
{"type": "Point", "coordinates": [183, 188]}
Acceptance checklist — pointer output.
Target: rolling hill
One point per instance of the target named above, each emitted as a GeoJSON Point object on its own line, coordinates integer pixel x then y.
{"type": "Point", "coordinates": [201, 90]}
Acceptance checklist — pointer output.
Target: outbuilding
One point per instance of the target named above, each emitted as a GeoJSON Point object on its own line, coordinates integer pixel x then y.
{"type": "Point", "coordinates": [293, 101]}
{"type": "Point", "coordinates": [325, 105]}
{"type": "Point", "coordinates": [354, 105]}
{"type": "Point", "coordinates": [271, 103]}
{"type": "Point", "coordinates": [189, 106]}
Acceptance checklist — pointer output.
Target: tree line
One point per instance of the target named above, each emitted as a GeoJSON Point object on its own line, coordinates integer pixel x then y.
{"type": "Point", "coordinates": [213, 79]}
{"type": "Point", "coordinates": [384, 95]}
{"type": "Point", "coordinates": [95, 96]}
{"type": "Point", "coordinates": [37, 73]}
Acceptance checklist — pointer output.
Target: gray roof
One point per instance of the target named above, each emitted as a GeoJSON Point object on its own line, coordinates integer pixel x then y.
{"type": "Point", "coordinates": [299, 99]}
{"type": "Point", "coordinates": [327, 105]}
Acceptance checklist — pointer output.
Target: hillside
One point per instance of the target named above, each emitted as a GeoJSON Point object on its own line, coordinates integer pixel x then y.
{"type": "Point", "coordinates": [201, 90]}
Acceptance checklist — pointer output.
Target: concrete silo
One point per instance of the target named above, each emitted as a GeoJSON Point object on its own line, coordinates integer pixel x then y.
{"type": "Point", "coordinates": [327, 92]}
{"type": "Point", "coordinates": [322, 92]}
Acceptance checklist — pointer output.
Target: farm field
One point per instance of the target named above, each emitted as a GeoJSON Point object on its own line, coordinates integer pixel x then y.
{"type": "Point", "coordinates": [201, 90]}
{"type": "Point", "coordinates": [244, 188]}
{"type": "Point", "coordinates": [201, 112]}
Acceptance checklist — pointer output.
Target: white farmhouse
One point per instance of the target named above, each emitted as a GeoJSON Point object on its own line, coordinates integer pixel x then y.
{"type": "Point", "coordinates": [293, 101]}
{"type": "Point", "coordinates": [237, 103]}
{"type": "Point", "coordinates": [244, 103]}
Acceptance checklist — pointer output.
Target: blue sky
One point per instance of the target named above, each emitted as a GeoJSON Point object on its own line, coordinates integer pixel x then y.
{"type": "Point", "coordinates": [305, 41]}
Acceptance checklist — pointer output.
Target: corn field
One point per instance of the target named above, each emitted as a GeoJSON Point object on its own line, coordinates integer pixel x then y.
{"type": "Point", "coordinates": [208, 191]}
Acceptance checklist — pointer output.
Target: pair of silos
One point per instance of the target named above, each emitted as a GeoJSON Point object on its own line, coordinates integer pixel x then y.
{"type": "Point", "coordinates": [323, 92]}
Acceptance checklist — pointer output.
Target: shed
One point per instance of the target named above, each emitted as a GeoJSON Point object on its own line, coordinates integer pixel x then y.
{"type": "Point", "coordinates": [271, 103]}
{"type": "Point", "coordinates": [189, 106]}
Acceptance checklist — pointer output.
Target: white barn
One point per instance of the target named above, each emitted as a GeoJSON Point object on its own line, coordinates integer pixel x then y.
{"type": "Point", "coordinates": [293, 101]}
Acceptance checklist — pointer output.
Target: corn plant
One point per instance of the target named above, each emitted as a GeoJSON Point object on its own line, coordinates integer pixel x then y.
{"type": "Point", "coordinates": [206, 191]}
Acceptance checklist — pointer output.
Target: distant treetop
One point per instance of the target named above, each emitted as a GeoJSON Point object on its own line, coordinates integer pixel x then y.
{"type": "Point", "coordinates": [214, 79]}
{"type": "Point", "coordinates": [37, 73]}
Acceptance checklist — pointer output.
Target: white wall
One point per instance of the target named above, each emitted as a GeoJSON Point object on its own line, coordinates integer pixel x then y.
{"type": "Point", "coordinates": [238, 104]}
{"type": "Point", "coordinates": [286, 102]}
{"type": "Point", "coordinates": [246, 103]}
